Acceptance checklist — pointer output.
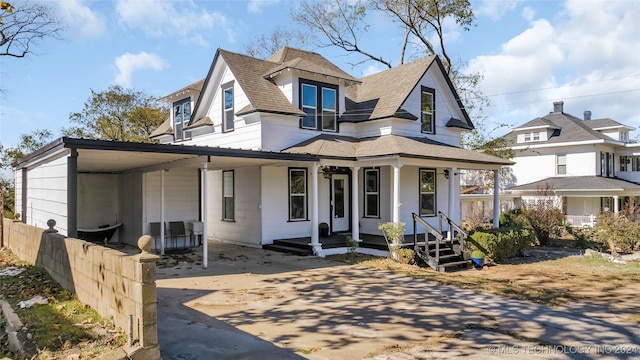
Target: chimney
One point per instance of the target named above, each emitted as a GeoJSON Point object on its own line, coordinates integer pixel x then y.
{"type": "Point", "coordinates": [587, 115]}
{"type": "Point", "coordinates": [558, 106]}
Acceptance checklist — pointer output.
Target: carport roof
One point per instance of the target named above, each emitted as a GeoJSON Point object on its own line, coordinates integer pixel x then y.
{"type": "Point", "coordinates": [120, 156]}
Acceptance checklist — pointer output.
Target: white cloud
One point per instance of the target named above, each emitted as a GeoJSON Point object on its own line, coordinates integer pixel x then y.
{"type": "Point", "coordinates": [528, 13]}
{"type": "Point", "coordinates": [128, 63]}
{"type": "Point", "coordinates": [372, 69]}
{"type": "Point", "coordinates": [586, 55]}
{"type": "Point", "coordinates": [256, 6]}
{"type": "Point", "coordinates": [162, 18]}
{"type": "Point", "coordinates": [81, 18]}
{"type": "Point", "coordinates": [496, 9]}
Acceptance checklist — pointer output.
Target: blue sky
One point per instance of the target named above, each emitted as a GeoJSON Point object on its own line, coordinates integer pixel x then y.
{"type": "Point", "coordinates": [531, 53]}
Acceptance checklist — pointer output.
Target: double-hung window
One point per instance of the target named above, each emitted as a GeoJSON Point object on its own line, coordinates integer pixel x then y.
{"type": "Point", "coordinates": [228, 195]}
{"type": "Point", "coordinates": [372, 193]}
{"type": "Point", "coordinates": [561, 161]}
{"type": "Point", "coordinates": [227, 107]}
{"type": "Point", "coordinates": [428, 110]}
{"type": "Point", "coordinates": [427, 192]}
{"type": "Point", "coordinates": [181, 117]}
{"type": "Point", "coordinates": [297, 194]}
{"type": "Point", "coordinates": [319, 101]}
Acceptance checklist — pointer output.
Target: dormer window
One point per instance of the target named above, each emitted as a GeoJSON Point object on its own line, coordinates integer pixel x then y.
{"type": "Point", "coordinates": [181, 117]}
{"type": "Point", "coordinates": [428, 110]}
{"type": "Point", "coordinates": [532, 136]}
{"type": "Point", "coordinates": [320, 103]}
{"type": "Point", "coordinates": [227, 107]}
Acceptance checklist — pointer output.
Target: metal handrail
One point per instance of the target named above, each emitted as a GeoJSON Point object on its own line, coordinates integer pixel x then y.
{"type": "Point", "coordinates": [465, 237]}
{"type": "Point", "coordinates": [430, 229]}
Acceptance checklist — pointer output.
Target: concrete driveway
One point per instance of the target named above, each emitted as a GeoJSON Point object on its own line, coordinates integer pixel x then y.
{"type": "Point", "coordinates": [257, 304]}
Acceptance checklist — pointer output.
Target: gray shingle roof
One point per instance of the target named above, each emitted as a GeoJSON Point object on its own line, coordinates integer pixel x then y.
{"type": "Point", "coordinates": [163, 129]}
{"type": "Point", "coordinates": [303, 60]}
{"type": "Point", "coordinates": [604, 123]}
{"type": "Point", "coordinates": [578, 183]}
{"type": "Point", "coordinates": [263, 94]}
{"type": "Point", "coordinates": [571, 129]}
{"type": "Point", "coordinates": [331, 145]}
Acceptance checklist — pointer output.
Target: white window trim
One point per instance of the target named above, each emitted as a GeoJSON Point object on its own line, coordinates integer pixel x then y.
{"type": "Point", "coordinates": [376, 193]}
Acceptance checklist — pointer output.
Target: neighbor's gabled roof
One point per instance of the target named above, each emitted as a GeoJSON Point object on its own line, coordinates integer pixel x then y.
{"type": "Point", "coordinates": [571, 129]}
{"type": "Point", "coordinates": [336, 146]}
{"type": "Point", "coordinates": [577, 183]}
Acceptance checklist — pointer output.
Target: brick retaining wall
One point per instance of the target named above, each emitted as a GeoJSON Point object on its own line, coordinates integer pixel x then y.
{"type": "Point", "coordinates": [115, 284]}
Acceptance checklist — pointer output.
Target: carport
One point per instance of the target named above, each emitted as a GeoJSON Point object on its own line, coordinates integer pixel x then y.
{"type": "Point", "coordinates": [76, 181]}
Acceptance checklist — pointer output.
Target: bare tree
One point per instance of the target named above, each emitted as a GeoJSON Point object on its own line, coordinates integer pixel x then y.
{"type": "Point", "coordinates": [24, 26]}
{"type": "Point", "coordinates": [263, 46]}
{"type": "Point", "coordinates": [420, 18]}
{"type": "Point", "coordinates": [336, 23]}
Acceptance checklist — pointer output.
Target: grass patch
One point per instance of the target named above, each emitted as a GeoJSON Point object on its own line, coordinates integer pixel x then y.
{"type": "Point", "coordinates": [62, 324]}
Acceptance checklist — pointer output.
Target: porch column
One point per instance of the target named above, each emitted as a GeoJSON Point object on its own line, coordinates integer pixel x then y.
{"type": "Point", "coordinates": [452, 198]}
{"type": "Point", "coordinates": [355, 216]}
{"type": "Point", "coordinates": [616, 204]}
{"type": "Point", "coordinates": [396, 193]}
{"type": "Point", "coordinates": [162, 233]}
{"type": "Point", "coordinates": [205, 233]}
{"type": "Point", "coordinates": [496, 198]}
{"type": "Point", "coordinates": [315, 239]}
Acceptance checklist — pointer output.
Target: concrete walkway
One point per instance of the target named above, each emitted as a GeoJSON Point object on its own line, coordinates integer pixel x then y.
{"type": "Point", "coordinates": [252, 303]}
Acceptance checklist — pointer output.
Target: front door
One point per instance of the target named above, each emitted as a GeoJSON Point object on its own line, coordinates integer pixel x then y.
{"type": "Point", "coordinates": [339, 202]}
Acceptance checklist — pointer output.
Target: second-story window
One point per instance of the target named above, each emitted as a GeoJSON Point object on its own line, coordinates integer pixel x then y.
{"type": "Point", "coordinates": [181, 117]}
{"type": "Point", "coordinates": [227, 108]}
{"type": "Point", "coordinates": [319, 101]}
{"type": "Point", "coordinates": [561, 161]}
{"type": "Point", "coordinates": [428, 110]}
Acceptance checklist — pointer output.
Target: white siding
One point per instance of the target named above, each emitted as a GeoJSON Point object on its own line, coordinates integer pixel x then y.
{"type": "Point", "coordinates": [47, 195]}
{"type": "Point", "coordinates": [275, 204]}
{"type": "Point", "coordinates": [280, 132]}
{"type": "Point", "coordinates": [245, 229]}
{"type": "Point", "coordinates": [181, 197]}
{"type": "Point", "coordinates": [97, 200]}
{"type": "Point", "coordinates": [581, 161]}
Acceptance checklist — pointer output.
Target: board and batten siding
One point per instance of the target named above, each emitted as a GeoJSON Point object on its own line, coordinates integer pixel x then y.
{"type": "Point", "coordinates": [47, 194]}
{"type": "Point", "coordinates": [245, 229]}
{"type": "Point", "coordinates": [181, 196]}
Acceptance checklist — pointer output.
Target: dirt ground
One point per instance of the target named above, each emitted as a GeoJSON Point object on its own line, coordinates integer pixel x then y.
{"type": "Point", "coordinates": [323, 309]}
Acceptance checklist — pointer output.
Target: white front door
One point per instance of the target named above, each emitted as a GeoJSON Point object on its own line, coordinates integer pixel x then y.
{"type": "Point", "coordinates": [340, 202]}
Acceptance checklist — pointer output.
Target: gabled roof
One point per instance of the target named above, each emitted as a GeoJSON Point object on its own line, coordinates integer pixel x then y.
{"type": "Point", "coordinates": [163, 129]}
{"type": "Point", "coordinates": [264, 95]}
{"type": "Point", "coordinates": [290, 58]}
{"type": "Point", "coordinates": [196, 86]}
{"type": "Point", "coordinates": [578, 183]}
{"type": "Point", "coordinates": [330, 145]}
{"type": "Point", "coordinates": [381, 95]}
{"type": "Point", "coordinates": [571, 129]}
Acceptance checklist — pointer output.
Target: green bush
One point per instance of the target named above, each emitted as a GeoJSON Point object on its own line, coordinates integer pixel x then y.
{"type": "Point", "coordinates": [617, 233]}
{"type": "Point", "coordinates": [512, 218]}
{"type": "Point", "coordinates": [504, 243]}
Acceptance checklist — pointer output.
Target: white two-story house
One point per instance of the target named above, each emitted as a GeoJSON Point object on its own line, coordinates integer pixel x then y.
{"type": "Point", "coordinates": [264, 150]}
{"type": "Point", "coordinates": [586, 165]}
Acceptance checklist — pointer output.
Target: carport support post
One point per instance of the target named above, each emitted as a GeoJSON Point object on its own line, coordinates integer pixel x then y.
{"type": "Point", "coordinates": [452, 202]}
{"type": "Point", "coordinates": [162, 234]}
{"type": "Point", "coordinates": [496, 199]}
{"type": "Point", "coordinates": [355, 217]}
{"type": "Point", "coordinates": [72, 194]}
{"type": "Point", "coordinates": [205, 239]}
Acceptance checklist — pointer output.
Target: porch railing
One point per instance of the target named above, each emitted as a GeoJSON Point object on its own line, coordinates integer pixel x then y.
{"type": "Point", "coordinates": [581, 220]}
{"type": "Point", "coordinates": [455, 230]}
{"type": "Point", "coordinates": [432, 261]}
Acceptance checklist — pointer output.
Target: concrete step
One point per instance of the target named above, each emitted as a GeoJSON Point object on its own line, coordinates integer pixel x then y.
{"type": "Point", "coordinates": [289, 249]}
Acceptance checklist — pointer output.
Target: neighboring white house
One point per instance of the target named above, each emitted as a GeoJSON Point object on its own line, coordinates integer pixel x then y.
{"type": "Point", "coordinates": [262, 150]}
{"type": "Point", "coordinates": [587, 165]}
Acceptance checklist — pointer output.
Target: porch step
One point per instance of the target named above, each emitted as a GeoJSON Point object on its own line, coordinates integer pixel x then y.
{"type": "Point", "coordinates": [454, 265]}
{"type": "Point", "coordinates": [294, 250]}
